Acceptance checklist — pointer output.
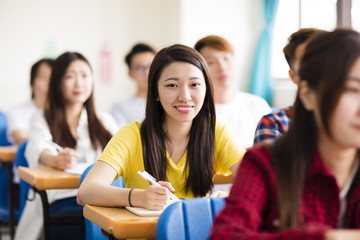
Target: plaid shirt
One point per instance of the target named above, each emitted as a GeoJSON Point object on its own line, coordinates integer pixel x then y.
{"type": "Point", "coordinates": [251, 210]}
{"type": "Point", "coordinates": [273, 125]}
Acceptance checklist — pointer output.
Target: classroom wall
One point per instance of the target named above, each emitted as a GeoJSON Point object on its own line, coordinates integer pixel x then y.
{"type": "Point", "coordinates": [238, 21]}
{"type": "Point", "coordinates": [37, 28]}
{"type": "Point", "coordinates": [33, 29]}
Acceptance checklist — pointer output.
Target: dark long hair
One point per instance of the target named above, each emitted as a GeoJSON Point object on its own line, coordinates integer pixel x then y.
{"type": "Point", "coordinates": [200, 149]}
{"type": "Point", "coordinates": [325, 65]}
{"type": "Point", "coordinates": [55, 111]}
{"type": "Point", "coordinates": [35, 69]}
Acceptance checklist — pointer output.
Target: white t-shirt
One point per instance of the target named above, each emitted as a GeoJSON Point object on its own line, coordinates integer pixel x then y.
{"type": "Point", "coordinates": [242, 115]}
{"type": "Point", "coordinates": [130, 110]}
{"type": "Point", "coordinates": [19, 118]}
{"type": "Point", "coordinates": [40, 139]}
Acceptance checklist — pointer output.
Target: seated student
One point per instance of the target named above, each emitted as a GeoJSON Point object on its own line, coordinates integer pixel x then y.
{"type": "Point", "coordinates": [277, 123]}
{"type": "Point", "coordinates": [306, 184]}
{"type": "Point", "coordinates": [138, 61]}
{"type": "Point", "coordinates": [70, 121]}
{"type": "Point", "coordinates": [19, 116]}
{"type": "Point", "coordinates": [179, 142]}
{"type": "Point", "coordinates": [241, 111]}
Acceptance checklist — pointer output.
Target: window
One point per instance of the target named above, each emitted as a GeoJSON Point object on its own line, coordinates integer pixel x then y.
{"type": "Point", "coordinates": [292, 15]}
{"type": "Point", "coordinates": [355, 17]}
{"type": "Point", "coordinates": [295, 14]}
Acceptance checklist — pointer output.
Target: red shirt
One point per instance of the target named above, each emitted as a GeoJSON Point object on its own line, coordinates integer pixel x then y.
{"type": "Point", "coordinates": [251, 210]}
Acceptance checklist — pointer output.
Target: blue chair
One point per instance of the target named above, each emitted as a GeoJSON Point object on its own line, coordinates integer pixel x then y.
{"type": "Point", "coordinates": [190, 219]}
{"type": "Point", "coordinates": [60, 211]}
{"type": "Point", "coordinates": [4, 179]}
{"type": "Point", "coordinates": [3, 127]}
{"type": "Point", "coordinates": [24, 187]}
{"type": "Point", "coordinates": [20, 160]}
{"type": "Point", "coordinates": [4, 211]}
{"type": "Point", "coordinates": [92, 231]}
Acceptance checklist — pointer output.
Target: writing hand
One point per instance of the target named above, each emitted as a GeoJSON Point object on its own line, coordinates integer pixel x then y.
{"type": "Point", "coordinates": [66, 159]}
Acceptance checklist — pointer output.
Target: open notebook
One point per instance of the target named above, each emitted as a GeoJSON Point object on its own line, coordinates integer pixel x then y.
{"type": "Point", "coordinates": [148, 213]}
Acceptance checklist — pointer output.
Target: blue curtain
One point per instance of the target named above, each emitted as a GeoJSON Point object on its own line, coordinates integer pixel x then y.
{"type": "Point", "coordinates": [261, 83]}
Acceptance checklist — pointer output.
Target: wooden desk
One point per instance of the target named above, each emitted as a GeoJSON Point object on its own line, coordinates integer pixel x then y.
{"type": "Point", "coordinates": [47, 178]}
{"type": "Point", "coordinates": [120, 223]}
{"type": "Point", "coordinates": [7, 157]}
{"type": "Point", "coordinates": [7, 154]}
{"type": "Point", "coordinates": [222, 179]}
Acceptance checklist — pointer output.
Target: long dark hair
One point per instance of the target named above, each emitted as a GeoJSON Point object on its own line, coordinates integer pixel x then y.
{"type": "Point", "coordinates": [325, 65]}
{"type": "Point", "coordinates": [35, 69]}
{"type": "Point", "coordinates": [200, 149]}
{"type": "Point", "coordinates": [55, 111]}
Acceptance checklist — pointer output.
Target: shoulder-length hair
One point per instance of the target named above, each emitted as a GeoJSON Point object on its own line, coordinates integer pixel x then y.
{"type": "Point", "coordinates": [55, 111]}
{"type": "Point", "coordinates": [325, 65]}
{"type": "Point", "coordinates": [200, 149]}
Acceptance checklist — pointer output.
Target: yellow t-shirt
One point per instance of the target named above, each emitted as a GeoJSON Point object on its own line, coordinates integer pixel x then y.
{"type": "Point", "coordinates": [124, 153]}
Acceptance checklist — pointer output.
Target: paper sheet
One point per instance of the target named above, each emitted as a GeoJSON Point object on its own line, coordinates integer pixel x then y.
{"type": "Point", "coordinates": [78, 169]}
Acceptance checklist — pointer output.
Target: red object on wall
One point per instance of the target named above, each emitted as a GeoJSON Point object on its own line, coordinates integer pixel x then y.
{"type": "Point", "coordinates": [105, 64]}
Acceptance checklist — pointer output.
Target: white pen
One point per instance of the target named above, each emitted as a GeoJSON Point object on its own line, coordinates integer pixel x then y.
{"type": "Point", "coordinates": [145, 175]}
{"type": "Point", "coordinates": [57, 146]}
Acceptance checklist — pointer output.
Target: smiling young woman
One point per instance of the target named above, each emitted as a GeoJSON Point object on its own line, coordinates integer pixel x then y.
{"type": "Point", "coordinates": [71, 121]}
{"type": "Point", "coordinates": [179, 142]}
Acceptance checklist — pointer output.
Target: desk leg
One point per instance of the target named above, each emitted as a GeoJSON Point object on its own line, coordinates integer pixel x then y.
{"type": "Point", "coordinates": [108, 235]}
{"type": "Point", "coordinates": [11, 197]}
{"type": "Point", "coordinates": [46, 212]}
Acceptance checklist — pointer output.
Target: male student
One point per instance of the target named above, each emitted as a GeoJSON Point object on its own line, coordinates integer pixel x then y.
{"type": "Point", "coordinates": [277, 123]}
{"type": "Point", "coordinates": [241, 111]}
{"type": "Point", "coordinates": [138, 61]}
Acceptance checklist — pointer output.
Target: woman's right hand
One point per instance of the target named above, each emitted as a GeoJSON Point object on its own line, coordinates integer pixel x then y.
{"type": "Point", "coordinates": [66, 159]}
{"type": "Point", "coordinates": [156, 197]}
{"type": "Point", "coordinates": [342, 234]}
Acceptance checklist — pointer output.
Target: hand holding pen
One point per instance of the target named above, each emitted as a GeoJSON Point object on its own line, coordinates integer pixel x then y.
{"type": "Point", "coordinates": [66, 158]}
{"type": "Point", "coordinates": [157, 195]}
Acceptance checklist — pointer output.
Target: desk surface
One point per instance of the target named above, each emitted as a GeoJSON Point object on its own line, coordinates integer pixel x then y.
{"type": "Point", "coordinates": [48, 178]}
{"type": "Point", "coordinates": [7, 154]}
{"type": "Point", "coordinates": [222, 179]}
{"type": "Point", "coordinates": [121, 223]}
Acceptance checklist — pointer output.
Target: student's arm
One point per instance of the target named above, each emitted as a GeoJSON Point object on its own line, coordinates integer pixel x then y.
{"type": "Point", "coordinates": [19, 136]}
{"type": "Point", "coordinates": [65, 159]}
{"type": "Point", "coordinates": [96, 190]}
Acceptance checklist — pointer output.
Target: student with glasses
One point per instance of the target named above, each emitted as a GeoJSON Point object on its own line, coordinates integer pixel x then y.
{"type": "Point", "coordinates": [138, 61]}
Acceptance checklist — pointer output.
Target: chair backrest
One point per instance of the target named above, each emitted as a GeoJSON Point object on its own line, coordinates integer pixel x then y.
{"type": "Point", "coordinates": [4, 206]}
{"type": "Point", "coordinates": [4, 210]}
{"type": "Point", "coordinates": [3, 127]}
{"type": "Point", "coordinates": [189, 219]}
{"type": "Point", "coordinates": [92, 231]}
{"type": "Point", "coordinates": [20, 160]}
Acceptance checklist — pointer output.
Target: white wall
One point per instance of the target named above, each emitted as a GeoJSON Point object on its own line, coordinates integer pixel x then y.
{"type": "Point", "coordinates": [30, 30]}
{"type": "Point", "coordinates": [239, 21]}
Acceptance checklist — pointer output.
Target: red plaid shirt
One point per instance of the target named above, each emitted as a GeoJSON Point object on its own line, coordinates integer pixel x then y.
{"type": "Point", "coordinates": [251, 210]}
